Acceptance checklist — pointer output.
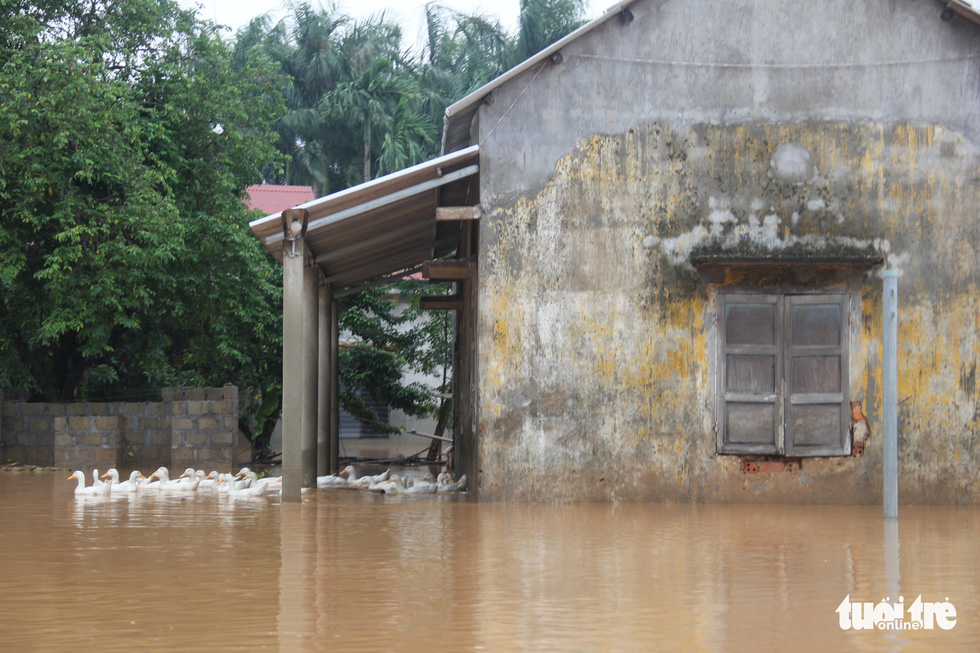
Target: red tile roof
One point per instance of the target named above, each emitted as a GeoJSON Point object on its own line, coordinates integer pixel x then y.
{"type": "Point", "coordinates": [270, 199]}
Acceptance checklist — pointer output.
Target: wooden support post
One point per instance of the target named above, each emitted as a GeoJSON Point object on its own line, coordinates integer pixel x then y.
{"type": "Point", "coordinates": [466, 238]}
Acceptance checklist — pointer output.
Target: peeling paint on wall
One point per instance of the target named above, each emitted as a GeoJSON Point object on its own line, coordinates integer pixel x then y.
{"type": "Point", "coordinates": [597, 328]}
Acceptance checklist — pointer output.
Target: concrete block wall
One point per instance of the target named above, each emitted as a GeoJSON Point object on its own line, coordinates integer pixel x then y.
{"type": "Point", "coordinates": [190, 427]}
{"type": "Point", "coordinates": [28, 432]}
{"type": "Point", "coordinates": [203, 426]}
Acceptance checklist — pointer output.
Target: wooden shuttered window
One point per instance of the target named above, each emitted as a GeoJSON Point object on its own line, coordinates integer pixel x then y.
{"type": "Point", "coordinates": [782, 382]}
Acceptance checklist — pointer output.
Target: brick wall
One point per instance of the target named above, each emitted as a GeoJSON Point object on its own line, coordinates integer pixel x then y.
{"type": "Point", "coordinates": [190, 427]}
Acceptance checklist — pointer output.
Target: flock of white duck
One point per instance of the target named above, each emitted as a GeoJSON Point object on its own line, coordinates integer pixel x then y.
{"type": "Point", "coordinates": [243, 484]}
{"type": "Point", "coordinates": [389, 483]}
{"type": "Point", "coordinates": [247, 484]}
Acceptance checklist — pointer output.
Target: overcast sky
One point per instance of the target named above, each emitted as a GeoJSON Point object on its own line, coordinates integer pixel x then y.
{"type": "Point", "coordinates": [409, 13]}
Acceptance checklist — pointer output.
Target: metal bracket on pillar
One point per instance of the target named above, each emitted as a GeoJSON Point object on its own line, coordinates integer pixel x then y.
{"type": "Point", "coordinates": [294, 224]}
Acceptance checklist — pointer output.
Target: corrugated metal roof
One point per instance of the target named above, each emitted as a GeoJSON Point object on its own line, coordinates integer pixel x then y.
{"type": "Point", "coordinates": [459, 116]}
{"type": "Point", "coordinates": [385, 225]}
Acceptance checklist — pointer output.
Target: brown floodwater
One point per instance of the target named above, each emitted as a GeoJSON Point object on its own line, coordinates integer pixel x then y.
{"type": "Point", "coordinates": [352, 571]}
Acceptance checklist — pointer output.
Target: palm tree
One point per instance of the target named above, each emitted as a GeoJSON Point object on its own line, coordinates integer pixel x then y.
{"type": "Point", "coordinates": [356, 106]}
{"type": "Point", "coordinates": [368, 104]}
{"type": "Point", "coordinates": [462, 54]}
{"type": "Point", "coordinates": [542, 22]}
{"type": "Point", "coordinates": [465, 52]}
{"type": "Point", "coordinates": [311, 62]}
{"type": "Point", "coordinates": [410, 138]}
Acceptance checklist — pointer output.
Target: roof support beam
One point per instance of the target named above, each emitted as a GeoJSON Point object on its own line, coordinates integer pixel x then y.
{"type": "Point", "coordinates": [450, 270]}
{"type": "Point", "coordinates": [443, 303]}
{"type": "Point", "coordinates": [391, 278]}
{"type": "Point", "coordinates": [447, 213]}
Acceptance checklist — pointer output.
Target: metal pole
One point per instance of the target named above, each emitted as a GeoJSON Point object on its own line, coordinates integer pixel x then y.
{"type": "Point", "coordinates": [890, 383]}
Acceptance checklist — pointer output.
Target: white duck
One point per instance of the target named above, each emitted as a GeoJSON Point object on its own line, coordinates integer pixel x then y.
{"type": "Point", "coordinates": [103, 490]}
{"type": "Point", "coordinates": [267, 483]}
{"type": "Point", "coordinates": [243, 472]}
{"type": "Point", "coordinates": [96, 479]}
{"type": "Point", "coordinates": [274, 486]}
{"type": "Point", "coordinates": [189, 475]}
{"type": "Point", "coordinates": [242, 491]}
{"type": "Point", "coordinates": [208, 481]}
{"type": "Point", "coordinates": [395, 485]}
{"type": "Point", "coordinates": [153, 481]}
{"type": "Point", "coordinates": [355, 480]}
{"type": "Point", "coordinates": [166, 485]}
{"type": "Point", "coordinates": [368, 483]}
{"type": "Point", "coordinates": [454, 486]}
{"type": "Point", "coordinates": [424, 483]}
{"type": "Point", "coordinates": [228, 482]}
{"type": "Point", "coordinates": [338, 480]}
{"type": "Point", "coordinates": [132, 485]}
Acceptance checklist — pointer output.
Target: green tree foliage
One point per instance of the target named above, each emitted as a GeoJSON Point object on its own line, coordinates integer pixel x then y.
{"type": "Point", "coordinates": [127, 137]}
{"type": "Point", "coordinates": [389, 335]}
{"type": "Point", "coordinates": [128, 132]}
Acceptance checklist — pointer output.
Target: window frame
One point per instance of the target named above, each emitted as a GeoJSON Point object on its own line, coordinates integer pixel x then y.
{"type": "Point", "coordinates": [788, 403]}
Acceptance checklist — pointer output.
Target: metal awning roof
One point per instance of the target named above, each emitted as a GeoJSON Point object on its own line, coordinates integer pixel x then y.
{"type": "Point", "coordinates": [382, 226]}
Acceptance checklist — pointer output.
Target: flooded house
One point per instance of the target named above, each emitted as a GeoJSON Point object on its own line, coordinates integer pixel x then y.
{"type": "Point", "coordinates": [670, 232]}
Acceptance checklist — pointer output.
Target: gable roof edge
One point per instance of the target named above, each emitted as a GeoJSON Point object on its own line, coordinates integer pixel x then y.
{"type": "Point", "coordinates": [462, 111]}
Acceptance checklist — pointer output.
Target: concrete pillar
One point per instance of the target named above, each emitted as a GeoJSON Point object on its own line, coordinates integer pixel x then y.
{"type": "Point", "coordinates": [300, 341]}
{"type": "Point", "coordinates": [311, 337]}
{"type": "Point", "coordinates": [335, 387]}
{"type": "Point", "coordinates": [324, 462]}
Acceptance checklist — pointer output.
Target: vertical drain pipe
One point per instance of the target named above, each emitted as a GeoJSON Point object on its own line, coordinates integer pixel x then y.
{"type": "Point", "coordinates": [890, 382]}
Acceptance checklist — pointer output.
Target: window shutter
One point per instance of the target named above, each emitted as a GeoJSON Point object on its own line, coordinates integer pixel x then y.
{"type": "Point", "coordinates": [750, 365]}
{"type": "Point", "coordinates": [817, 419]}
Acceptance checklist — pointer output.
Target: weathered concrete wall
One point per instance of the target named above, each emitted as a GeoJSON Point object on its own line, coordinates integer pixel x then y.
{"type": "Point", "coordinates": [851, 130]}
{"type": "Point", "coordinates": [191, 427]}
